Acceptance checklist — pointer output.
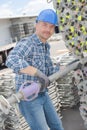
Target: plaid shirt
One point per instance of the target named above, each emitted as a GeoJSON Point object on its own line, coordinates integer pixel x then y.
{"type": "Point", "coordinates": [30, 51]}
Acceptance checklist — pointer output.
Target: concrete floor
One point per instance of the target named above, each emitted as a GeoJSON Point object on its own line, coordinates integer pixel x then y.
{"type": "Point", "coordinates": [72, 120]}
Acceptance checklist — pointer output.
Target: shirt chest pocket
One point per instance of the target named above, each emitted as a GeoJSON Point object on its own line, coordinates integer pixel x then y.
{"type": "Point", "coordinates": [38, 61]}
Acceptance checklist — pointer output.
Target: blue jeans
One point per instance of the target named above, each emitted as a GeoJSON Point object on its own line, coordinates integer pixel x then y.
{"type": "Point", "coordinates": [40, 113]}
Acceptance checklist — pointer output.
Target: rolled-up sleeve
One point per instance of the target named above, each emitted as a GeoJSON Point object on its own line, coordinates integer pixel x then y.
{"type": "Point", "coordinates": [16, 58]}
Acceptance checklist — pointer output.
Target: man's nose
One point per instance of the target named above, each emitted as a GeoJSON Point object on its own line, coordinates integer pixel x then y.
{"type": "Point", "coordinates": [48, 28]}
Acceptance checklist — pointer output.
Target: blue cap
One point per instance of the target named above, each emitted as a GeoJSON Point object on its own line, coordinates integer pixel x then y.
{"type": "Point", "coordinates": [48, 15]}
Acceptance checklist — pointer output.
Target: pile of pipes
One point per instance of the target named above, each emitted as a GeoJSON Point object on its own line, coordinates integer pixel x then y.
{"type": "Point", "coordinates": [67, 91]}
{"type": "Point", "coordinates": [83, 100]}
{"type": "Point", "coordinates": [80, 77]}
{"type": "Point", "coordinates": [54, 95]}
{"type": "Point", "coordinates": [66, 58]}
{"type": "Point", "coordinates": [7, 88]}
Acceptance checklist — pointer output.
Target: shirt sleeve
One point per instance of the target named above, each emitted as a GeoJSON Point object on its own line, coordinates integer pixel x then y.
{"type": "Point", "coordinates": [16, 58]}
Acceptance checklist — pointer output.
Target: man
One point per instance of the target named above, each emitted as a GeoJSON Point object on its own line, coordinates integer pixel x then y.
{"type": "Point", "coordinates": [30, 60]}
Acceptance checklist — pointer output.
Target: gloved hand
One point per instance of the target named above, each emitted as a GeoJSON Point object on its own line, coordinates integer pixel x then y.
{"type": "Point", "coordinates": [43, 79]}
{"type": "Point", "coordinates": [29, 90]}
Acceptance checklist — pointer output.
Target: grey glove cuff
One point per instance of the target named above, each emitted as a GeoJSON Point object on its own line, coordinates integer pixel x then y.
{"type": "Point", "coordinates": [43, 79]}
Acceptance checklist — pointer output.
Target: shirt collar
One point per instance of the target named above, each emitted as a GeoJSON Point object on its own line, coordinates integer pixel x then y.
{"type": "Point", "coordinates": [39, 43]}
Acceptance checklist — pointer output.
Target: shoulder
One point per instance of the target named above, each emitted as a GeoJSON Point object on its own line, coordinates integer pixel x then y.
{"type": "Point", "coordinates": [26, 41]}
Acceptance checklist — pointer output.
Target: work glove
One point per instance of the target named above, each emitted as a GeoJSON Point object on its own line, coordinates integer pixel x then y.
{"type": "Point", "coordinates": [29, 90]}
{"type": "Point", "coordinates": [43, 79]}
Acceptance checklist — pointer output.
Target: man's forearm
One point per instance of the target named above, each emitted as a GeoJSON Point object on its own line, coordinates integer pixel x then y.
{"type": "Point", "coordinates": [30, 70]}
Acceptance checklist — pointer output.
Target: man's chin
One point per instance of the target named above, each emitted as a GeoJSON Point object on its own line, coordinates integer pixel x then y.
{"type": "Point", "coordinates": [46, 37]}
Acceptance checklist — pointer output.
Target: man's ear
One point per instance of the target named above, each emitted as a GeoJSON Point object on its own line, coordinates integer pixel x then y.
{"type": "Point", "coordinates": [56, 29]}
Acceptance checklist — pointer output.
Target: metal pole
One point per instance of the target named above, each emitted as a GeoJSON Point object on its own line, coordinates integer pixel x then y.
{"type": "Point", "coordinates": [63, 72]}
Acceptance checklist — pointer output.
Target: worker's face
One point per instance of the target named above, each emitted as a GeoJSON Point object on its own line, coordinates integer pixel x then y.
{"type": "Point", "coordinates": [44, 30]}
